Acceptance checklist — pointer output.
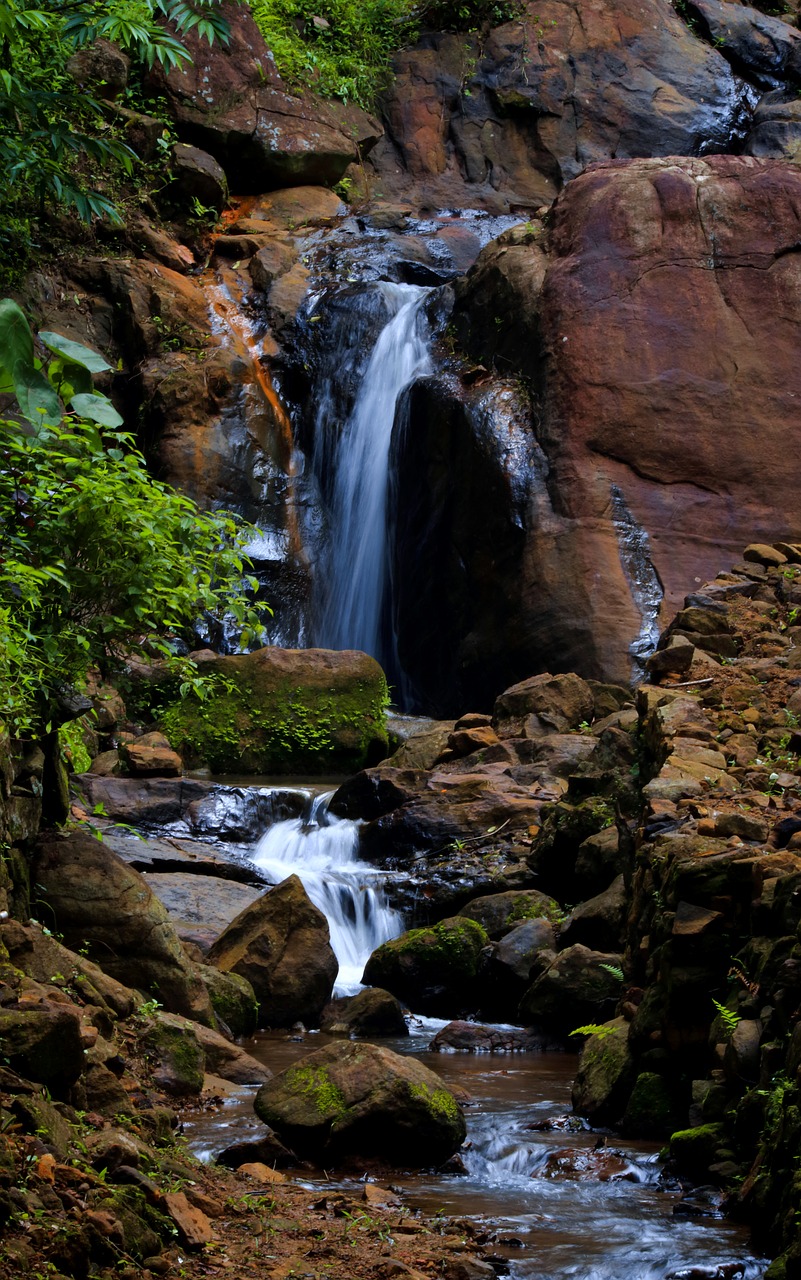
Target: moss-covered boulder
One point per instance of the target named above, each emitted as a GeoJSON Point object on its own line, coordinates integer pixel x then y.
{"type": "Point", "coordinates": [176, 1054]}
{"type": "Point", "coordinates": [433, 969]}
{"type": "Point", "coordinates": [354, 1099]}
{"type": "Point", "coordinates": [280, 945]}
{"type": "Point", "coordinates": [233, 1000]}
{"type": "Point", "coordinates": [605, 1074]}
{"type": "Point", "coordinates": [652, 1110]}
{"type": "Point", "coordinates": [499, 913]}
{"type": "Point", "coordinates": [283, 711]}
{"type": "Point", "coordinates": [371, 1012]}
{"type": "Point", "coordinates": [694, 1150]}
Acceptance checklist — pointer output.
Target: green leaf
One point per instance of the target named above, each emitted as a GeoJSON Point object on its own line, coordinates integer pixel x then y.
{"type": "Point", "coordinates": [37, 400]}
{"type": "Point", "coordinates": [75, 351]}
{"type": "Point", "coordinates": [97, 408]}
{"type": "Point", "coordinates": [16, 339]}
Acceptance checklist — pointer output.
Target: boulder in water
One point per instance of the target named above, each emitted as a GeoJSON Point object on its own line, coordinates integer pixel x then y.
{"type": "Point", "coordinates": [369, 1013]}
{"type": "Point", "coordinates": [361, 1100]}
{"type": "Point", "coordinates": [280, 944]}
{"type": "Point", "coordinates": [434, 969]}
{"type": "Point", "coordinates": [499, 913]}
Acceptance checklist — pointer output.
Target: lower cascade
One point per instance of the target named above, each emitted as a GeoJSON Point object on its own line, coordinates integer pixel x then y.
{"type": "Point", "coordinates": [323, 851]}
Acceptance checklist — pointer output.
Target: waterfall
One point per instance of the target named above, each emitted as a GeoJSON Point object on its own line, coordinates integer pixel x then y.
{"type": "Point", "coordinates": [323, 851]}
{"type": "Point", "coordinates": [351, 591]}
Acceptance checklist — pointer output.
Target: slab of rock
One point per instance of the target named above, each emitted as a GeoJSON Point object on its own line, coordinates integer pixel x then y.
{"type": "Point", "coordinates": [96, 900]}
{"type": "Point", "coordinates": [201, 906]}
{"type": "Point", "coordinates": [280, 944]}
{"type": "Point", "coordinates": [360, 1100]}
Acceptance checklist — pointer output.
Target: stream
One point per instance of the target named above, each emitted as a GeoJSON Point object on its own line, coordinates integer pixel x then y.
{"type": "Point", "coordinates": [555, 1199]}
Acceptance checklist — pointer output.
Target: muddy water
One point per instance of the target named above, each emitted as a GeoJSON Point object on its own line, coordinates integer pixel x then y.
{"type": "Point", "coordinates": [554, 1207]}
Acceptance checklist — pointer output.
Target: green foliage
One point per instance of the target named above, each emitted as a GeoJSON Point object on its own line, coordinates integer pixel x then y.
{"type": "Point", "coordinates": [343, 47]}
{"type": "Point", "coordinates": [54, 134]}
{"type": "Point", "coordinates": [615, 971]}
{"type": "Point", "coordinates": [728, 1017]}
{"type": "Point", "coordinates": [598, 1029]}
{"type": "Point", "coordinates": [97, 559]}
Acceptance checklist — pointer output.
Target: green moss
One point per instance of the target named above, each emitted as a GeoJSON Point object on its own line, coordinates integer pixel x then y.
{"type": "Point", "coordinates": [531, 909]}
{"type": "Point", "coordinates": [452, 944]}
{"type": "Point", "coordinates": [695, 1149]}
{"type": "Point", "coordinates": [314, 1082]}
{"type": "Point", "coordinates": [287, 729]}
{"type": "Point", "coordinates": [440, 1101]}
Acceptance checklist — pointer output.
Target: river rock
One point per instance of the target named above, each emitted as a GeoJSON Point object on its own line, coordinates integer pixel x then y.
{"type": "Point", "coordinates": [576, 989]}
{"type": "Point", "coordinates": [44, 1044]}
{"type": "Point", "coordinates": [432, 969]}
{"type": "Point", "coordinates": [509, 966]}
{"type": "Point", "coordinates": [143, 801]}
{"type": "Point", "coordinates": [233, 1000]}
{"type": "Point", "coordinates": [471, 1037]}
{"type": "Point", "coordinates": [280, 944]}
{"type": "Point", "coordinates": [360, 1100]}
{"type": "Point", "coordinates": [542, 705]}
{"type": "Point", "coordinates": [500, 913]}
{"type": "Point", "coordinates": [201, 907]}
{"type": "Point", "coordinates": [605, 1074]}
{"type": "Point", "coordinates": [96, 900]}
{"type": "Point", "coordinates": [369, 1013]}
{"type": "Point", "coordinates": [284, 711]}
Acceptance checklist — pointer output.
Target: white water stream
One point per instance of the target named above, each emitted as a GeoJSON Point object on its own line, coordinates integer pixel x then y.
{"type": "Point", "coordinates": [323, 851]}
{"type": "Point", "coordinates": [352, 592]}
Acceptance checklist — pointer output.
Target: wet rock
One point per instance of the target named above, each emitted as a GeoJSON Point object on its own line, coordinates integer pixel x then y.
{"type": "Point", "coordinates": [359, 1100]}
{"type": "Point", "coordinates": [499, 913]}
{"type": "Point", "coordinates": [198, 176]}
{"type": "Point", "coordinates": [509, 966]}
{"type": "Point", "coordinates": [96, 900]}
{"type": "Point", "coordinates": [280, 944]}
{"type": "Point", "coordinates": [776, 127]}
{"type": "Point", "coordinates": [576, 989]}
{"type": "Point", "coordinates": [766, 47]}
{"type": "Point", "coordinates": [145, 802]}
{"type": "Point", "coordinates": [652, 1110]}
{"type": "Point", "coordinates": [233, 1000]}
{"type": "Point", "coordinates": [369, 1013]}
{"type": "Point", "coordinates": [471, 1037]}
{"type": "Point", "coordinates": [433, 970]}
{"type": "Point", "coordinates": [270, 262]}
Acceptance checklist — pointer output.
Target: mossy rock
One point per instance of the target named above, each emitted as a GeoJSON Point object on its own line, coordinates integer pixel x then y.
{"type": "Point", "coordinates": [498, 913]}
{"type": "Point", "coordinates": [651, 1110]}
{"type": "Point", "coordinates": [177, 1055]}
{"type": "Point", "coordinates": [233, 1000]}
{"type": "Point", "coordinates": [356, 1099]}
{"type": "Point", "coordinates": [283, 711]}
{"type": "Point", "coordinates": [605, 1074]}
{"type": "Point", "coordinates": [694, 1150]}
{"type": "Point", "coordinates": [433, 969]}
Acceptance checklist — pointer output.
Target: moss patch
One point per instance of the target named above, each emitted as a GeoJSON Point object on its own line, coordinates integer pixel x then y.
{"type": "Point", "coordinates": [315, 1083]}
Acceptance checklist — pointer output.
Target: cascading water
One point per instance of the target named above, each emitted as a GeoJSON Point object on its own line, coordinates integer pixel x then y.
{"type": "Point", "coordinates": [322, 850]}
{"type": "Point", "coordinates": [351, 590]}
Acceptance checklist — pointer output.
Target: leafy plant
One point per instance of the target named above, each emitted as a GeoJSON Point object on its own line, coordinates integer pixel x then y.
{"type": "Point", "coordinates": [728, 1017]}
{"type": "Point", "coordinates": [97, 559]}
{"type": "Point", "coordinates": [53, 132]}
{"type": "Point", "coordinates": [615, 971]}
{"type": "Point", "coordinates": [597, 1029]}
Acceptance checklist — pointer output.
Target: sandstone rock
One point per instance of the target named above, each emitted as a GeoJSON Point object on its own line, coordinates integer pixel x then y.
{"type": "Point", "coordinates": [233, 1000]}
{"type": "Point", "coordinates": [776, 132]}
{"type": "Point", "coordinates": [198, 176]}
{"type": "Point", "coordinates": [177, 1054]}
{"type": "Point", "coordinates": [40, 957]}
{"type": "Point", "coordinates": [369, 1013]}
{"type": "Point", "coordinates": [575, 990]}
{"type": "Point", "coordinates": [423, 750]}
{"type": "Point", "coordinates": [151, 755]}
{"type": "Point", "coordinates": [286, 711]}
{"type": "Point", "coordinates": [433, 969]}
{"type": "Point", "coordinates": [270, 262]}
{"type": "Point", "coordinates": [766, 46]}
{"type": "Point", "coordinates": [44, 1044]}
{"type": "Point", "coordinates": [541, 705]}
{"type": "Point", "coordinates": [98, 901]}
{"type": "Point", "coordinates": [499, 913]}
{"type": "Point", "coordinates": [280, 945]}
{"type": "Point", "coordinates": [471, 1037]}
{"type": "Point", "coordinates": [200, 906]}
{"type": "Point", "coordinates": [598, 860]}
{"type": "Point", "coordinates": [147, 802]}
{"type": "Point", "coordinates": [357, 1099]}
{"type": "Point", "coordinates": [478, 147]}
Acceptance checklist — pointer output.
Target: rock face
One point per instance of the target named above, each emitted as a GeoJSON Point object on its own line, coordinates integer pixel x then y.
{"type": "Point", "coordinates": [280, 945]}
{"type": "Point", "coordinates": [285, 711]}
{"type": "Point", "coordinates": [360, 1100]}
{"type": "Point", "coordinates": [95, 899]}
{"type": "Point", "coordinates": [619, 337]}
{"type": "Point", "coordinates": [496, 121]}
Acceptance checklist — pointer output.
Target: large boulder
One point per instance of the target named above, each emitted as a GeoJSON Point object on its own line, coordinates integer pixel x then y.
{"type": "Point", "coordinates": [44, 1044]}
{"type": "Point", "coordinates": [433, 970]}
{"type": "Point", "coordinates": [369, 1013]}
{"type": "Point", "coordinates": [500, 913]}
{"type": "Point", "coordinates": [360, 1100]}
{"type": "Point", "coordinates": [605, 1074]}
{"type": "Point", "coordinates": [98, 902]}
{"type": "Point", "coordinates": [509, 965]}
{"type": "Point", "coordinates": [284, 711]}
{"type": "Point", "coordinates": [580, 987]}
{"type": "Point", "coordinates": [280, 944]}
{"type": "Point", "coordinates": [231, 101]}
{"type": "Point", "coordinates": [491, 120]}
